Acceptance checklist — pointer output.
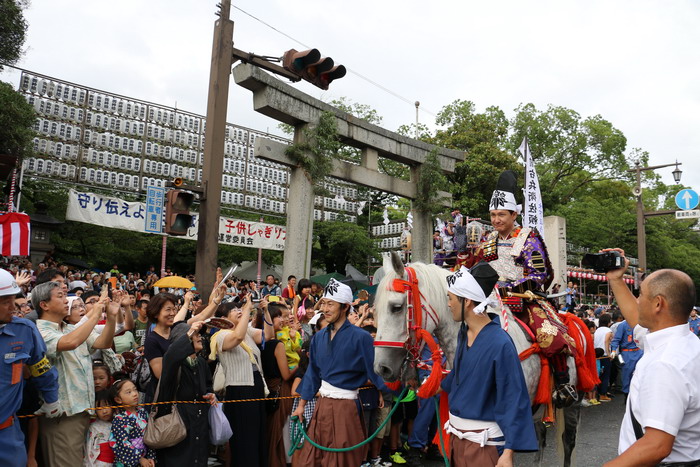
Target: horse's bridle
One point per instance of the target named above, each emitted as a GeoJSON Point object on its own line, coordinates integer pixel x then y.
{"type": "Point", "coordinates": [414, 313]}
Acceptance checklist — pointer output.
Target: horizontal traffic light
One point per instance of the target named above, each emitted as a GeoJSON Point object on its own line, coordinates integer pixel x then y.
{"type": "Point", "coordinates": [311, 67]}
{"type": "Point", "coordinates": [177, 212]}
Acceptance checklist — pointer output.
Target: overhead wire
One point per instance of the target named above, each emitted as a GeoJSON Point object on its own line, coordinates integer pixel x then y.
{"type": "Point", "coordinates": [359, 75]}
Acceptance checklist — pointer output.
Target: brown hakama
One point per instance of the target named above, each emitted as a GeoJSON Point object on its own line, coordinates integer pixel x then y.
{"type": "Point", "coordinates": [465, 453]}
{"type": "Point", "coordinates": [336, 423]}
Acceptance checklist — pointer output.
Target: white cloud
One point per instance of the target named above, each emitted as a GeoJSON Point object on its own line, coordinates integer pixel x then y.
{"type": "Point", "coordinates": [636, 63]}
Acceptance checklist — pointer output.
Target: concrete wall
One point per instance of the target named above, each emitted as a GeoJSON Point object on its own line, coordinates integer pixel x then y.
{"type": "Point", "coordinates": [555, 239]}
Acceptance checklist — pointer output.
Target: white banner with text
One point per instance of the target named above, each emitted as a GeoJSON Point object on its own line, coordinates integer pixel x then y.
{"type": "Point", "coordinates": [116, 213]}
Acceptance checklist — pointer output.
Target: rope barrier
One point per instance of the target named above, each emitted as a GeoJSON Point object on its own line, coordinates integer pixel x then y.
{"type": "Point", "coordinates": [145, 404]}
{"type": "Point", "coordinates": [296, 442]}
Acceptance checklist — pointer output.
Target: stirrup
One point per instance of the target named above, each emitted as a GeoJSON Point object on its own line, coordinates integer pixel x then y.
{"type": "Point", "coordinates": [564, 395]}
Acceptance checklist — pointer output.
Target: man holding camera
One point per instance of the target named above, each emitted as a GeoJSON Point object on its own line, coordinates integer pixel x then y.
{"type": "Point", "coordinates": [662, 420]}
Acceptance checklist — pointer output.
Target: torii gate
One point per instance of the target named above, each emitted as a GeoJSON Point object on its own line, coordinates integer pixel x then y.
{"type": "Point", "coordinates": [285, 103]}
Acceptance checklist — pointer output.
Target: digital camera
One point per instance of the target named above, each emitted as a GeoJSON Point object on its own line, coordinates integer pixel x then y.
{"type": "Point", "coordinates": [603, 262]}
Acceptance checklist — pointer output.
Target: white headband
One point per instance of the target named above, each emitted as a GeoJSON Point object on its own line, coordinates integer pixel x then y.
{"type": "Point", "coordinates": [315, 318]}
{"type": "Point", "coordinates": [463, 284]}
{"type": "Point", "coordinates": [338, 292]}
{"type": "Point", "coordinates": [504, 200]}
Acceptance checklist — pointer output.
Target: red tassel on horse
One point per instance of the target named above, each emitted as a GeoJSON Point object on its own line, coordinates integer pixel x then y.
{"type": "Point", "coordinates": [544, 388]}
{"type": "Point", "coordinates": [431, 386]}
{"type": "Point", "coordinates": [586, 369]}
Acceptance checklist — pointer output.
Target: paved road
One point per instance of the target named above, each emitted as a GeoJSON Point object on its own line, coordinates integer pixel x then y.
{"type": "Point", "coordinates": [596, 442]}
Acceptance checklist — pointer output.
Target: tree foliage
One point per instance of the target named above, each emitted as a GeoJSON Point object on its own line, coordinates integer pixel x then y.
{"type": "Point", "coordinates": [570, 151]}
{"type": "Point", "coordinates": [17, 117]}
{"type": "Point", "coordinates": [431, 181]}
{"type": "Point", "coordinates": [317, 150]}
{"type": "Point", "coordinates": [484, 138]}
{"type": "Point", "coordinates": [13, 31]}
{"type": "Point", "coordinates": [339, 243]}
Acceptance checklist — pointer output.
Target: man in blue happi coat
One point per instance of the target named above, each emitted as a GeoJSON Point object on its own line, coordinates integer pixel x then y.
{"type": "Point", "coordinates": [490, 413]}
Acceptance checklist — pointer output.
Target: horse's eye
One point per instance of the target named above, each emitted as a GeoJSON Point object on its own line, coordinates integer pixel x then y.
{"type": "Point", "coordinates": [396, 308]}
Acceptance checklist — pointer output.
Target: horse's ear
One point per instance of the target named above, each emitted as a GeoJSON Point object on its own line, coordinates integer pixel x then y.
{"type": "Point", "coordinates": [386, 262]}
{"type": "Point", "coordinates": [397, 264]}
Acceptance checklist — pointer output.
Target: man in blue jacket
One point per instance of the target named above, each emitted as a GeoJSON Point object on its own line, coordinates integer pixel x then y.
{"type": "Point", "coordinates": [490, 413]}
{"type": "Point", "coordinates": [20, 345]}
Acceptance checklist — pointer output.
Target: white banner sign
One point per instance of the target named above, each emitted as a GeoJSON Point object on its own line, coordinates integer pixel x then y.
{"type": "Point", "coordinates": [533, 210]}
{"type": "Point", "coordinates": [119, 214]}
{"type": "Point", "coordinates": [105, 211]}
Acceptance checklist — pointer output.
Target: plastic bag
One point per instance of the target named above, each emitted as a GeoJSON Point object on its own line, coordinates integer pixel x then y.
{"type": "Point", "coordinates": [219, 427]}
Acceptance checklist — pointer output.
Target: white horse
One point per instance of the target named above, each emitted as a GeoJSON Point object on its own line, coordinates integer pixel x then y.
{"type": "Point", "coordinates": [391, 321]}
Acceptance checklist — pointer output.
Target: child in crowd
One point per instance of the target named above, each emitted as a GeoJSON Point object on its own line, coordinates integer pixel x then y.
{"type": "Point", "coordinates": [290, 336]}
{"type": "Point", "coordinates": [590, 397]}
{"type": "Point", "coordinates": [101, 375]}
{"type": "Point", "coordinates": [98, 452]}
{"type": "Point", "coordinates": [126, 436]}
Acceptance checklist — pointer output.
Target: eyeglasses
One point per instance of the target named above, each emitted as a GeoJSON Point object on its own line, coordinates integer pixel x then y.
{"type": "Point", "coordinates": [77, 306]}
{"type": "Point", "coordinates": [92, 302]}
{"type": "Point", "coordinates": [24, 305]}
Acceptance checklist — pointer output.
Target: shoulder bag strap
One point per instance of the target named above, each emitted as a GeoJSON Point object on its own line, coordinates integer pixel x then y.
{"type": "Point", "coordinates": [638, 431]}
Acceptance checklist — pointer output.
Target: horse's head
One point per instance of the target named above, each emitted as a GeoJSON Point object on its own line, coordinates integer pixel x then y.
{"type": "Point", "coordinates": [390, 319]}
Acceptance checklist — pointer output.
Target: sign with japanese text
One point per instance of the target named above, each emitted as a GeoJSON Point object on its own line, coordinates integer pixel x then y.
{"type": "Point", "coordinates": [155, 196]}
{"type": "Point", "coordinates": [533, 210]}
{"type": "Point", "coordinates": [251, 234]}
{"type": "Point", "coordinates": [119, 214]}
{"type": "Point", "coordinates": [105, 211]}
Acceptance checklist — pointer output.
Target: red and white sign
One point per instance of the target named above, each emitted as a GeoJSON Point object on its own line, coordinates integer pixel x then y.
{"type": "Point", "coordinates": [15, 232]}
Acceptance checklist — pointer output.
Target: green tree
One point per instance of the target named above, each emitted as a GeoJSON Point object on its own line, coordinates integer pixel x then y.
{"type": "Point", "coordinates": [13, 31]}
{"type": "Point", "coordinates": [339, 243]}
{"type": "Point", "coordinates": [484, 138]}
{"type": "Point", "coordinates": [603, 213]}
{"type": "Point", "coordinates": [17, 117]}
{"type": "Point", "coordinates": [569, 151]}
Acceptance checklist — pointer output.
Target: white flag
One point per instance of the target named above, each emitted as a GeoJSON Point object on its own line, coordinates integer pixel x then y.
{"type": "Point", "coordinates": [533, 210]}
{"type": "Point", "coordinates": [360, 207]}
{"type": "Point", "coordinates": [386, 216]}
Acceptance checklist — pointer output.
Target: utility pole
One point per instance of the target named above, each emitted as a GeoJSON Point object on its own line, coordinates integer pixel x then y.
{"type": "Point", "coordinates": [213, 167]}
{"type": "Point", "coordinates": [641, 215]}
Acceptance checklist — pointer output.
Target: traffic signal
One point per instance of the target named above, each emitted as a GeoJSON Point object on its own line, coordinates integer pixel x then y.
{"type": "Point", "coordinates": [310, 66]}
{"type": "Point", "coordinates": [177, 212]}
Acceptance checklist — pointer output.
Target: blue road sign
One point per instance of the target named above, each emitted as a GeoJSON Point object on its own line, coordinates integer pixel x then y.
{"type": "Point", "coordinates": [687, 199]}
{"type": "Point", "coordinates": [154, 209]}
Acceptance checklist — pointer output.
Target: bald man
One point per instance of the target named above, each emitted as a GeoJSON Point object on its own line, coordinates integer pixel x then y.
{"type": "Point", "coordinates": [662, 420]}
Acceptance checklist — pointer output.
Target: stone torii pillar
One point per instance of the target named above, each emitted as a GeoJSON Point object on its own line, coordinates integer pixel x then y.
{"type": "Point", "coordinates": [286, 104]}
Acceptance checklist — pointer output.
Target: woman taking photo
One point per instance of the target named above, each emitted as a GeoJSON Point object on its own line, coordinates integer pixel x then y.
{"type": "Point", "coordinates": [278, 377]}
{"type": "Point", "coordinates": [162, 311]}
{"type": "Point", "coordinates": [240, 359]}
{"type": "Point", "coordinates": [186, 377]}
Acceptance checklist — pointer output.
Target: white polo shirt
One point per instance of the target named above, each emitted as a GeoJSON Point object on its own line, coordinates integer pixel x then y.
{"type": "Point", "coordinates": [665, 390]}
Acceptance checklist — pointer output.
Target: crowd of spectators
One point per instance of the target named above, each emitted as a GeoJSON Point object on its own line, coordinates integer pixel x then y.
{"type": "Point", "coordinates": [117, 341]}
